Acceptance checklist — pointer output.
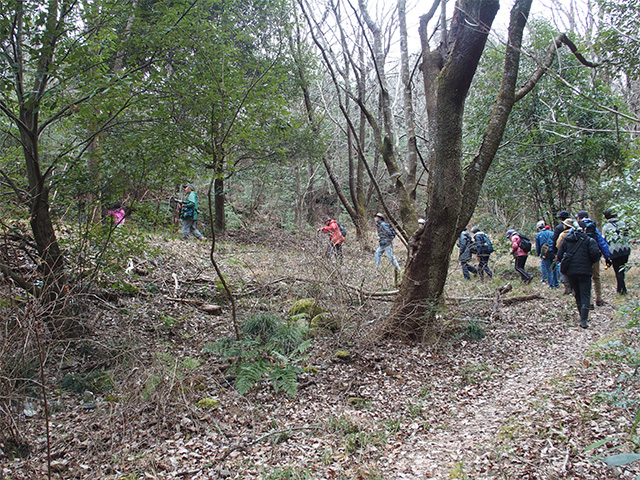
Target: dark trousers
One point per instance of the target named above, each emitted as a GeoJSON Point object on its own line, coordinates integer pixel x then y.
{"type": "Point", "coordinates": [466, 268]}
{"type": "Point", "coordinates": [520, 263]}
{"type": "Point", "coordinates": [483, 266]}
{"type": "Point", "coordinates": [619, 269]}
{"type": "Point", "coordinates": [335, 248]}
{"type": "Point", "coordinates": [581, 286]}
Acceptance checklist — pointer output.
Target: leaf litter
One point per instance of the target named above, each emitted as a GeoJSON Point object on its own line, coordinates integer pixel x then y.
{"type": "Point", "coordinates": [522, 402]}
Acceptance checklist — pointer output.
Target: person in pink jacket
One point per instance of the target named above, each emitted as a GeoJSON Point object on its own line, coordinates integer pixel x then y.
{"type": "Point", "coordinates": [335, 236]}
{"type": "Point", "coordinates": [117, 212]}
{"type": "Point", "coordinates": [519, 254]}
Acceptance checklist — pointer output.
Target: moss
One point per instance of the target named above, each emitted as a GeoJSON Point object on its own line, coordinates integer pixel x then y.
{"type": "Point", "coordinates": [208, 403]}
{"type": "Point", "coordinates": [307, 306]}
{"type": "Point", "coordinates": [324, 321]}
{"type": "Point", "coordinates": [342, 355]}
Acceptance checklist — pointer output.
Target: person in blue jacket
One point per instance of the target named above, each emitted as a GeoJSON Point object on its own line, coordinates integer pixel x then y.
{"type": "Point", "coordinates": [386, 234]}
{"type": "Point", "coordinates": [592, 231]}
{"type": "Point", "coordinates": [544, 249]}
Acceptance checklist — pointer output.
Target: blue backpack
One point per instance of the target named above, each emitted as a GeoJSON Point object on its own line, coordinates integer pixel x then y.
{"type": "Point", "coordinates": [485, 247]}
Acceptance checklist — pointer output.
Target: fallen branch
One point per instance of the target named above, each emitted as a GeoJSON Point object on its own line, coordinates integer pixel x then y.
{"type": "Point", "coordinates": [192, 301]}
{"type": "Point", "coordinates": [360, 290]}
{"type": "Point", "coordinates": [521, 298]}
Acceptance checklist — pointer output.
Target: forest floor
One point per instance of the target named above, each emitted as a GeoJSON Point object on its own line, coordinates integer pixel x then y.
{"type": "Point", "coordinates": [506, 390]}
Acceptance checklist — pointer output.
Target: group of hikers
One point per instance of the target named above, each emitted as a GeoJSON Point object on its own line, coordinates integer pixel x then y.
{"type": "Point", "coordinates": [386, 234]}
{"type": "Point", "coordinates": [570, 253]}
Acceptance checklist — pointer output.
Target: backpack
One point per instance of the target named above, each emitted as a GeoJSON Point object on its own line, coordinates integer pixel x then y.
{"type": "Point", "coordinates": [343, 230]}
{"type": "Point", "coordinates": [525, 244]}
{"type": "Point", "coordinates": [486, 247]}
{"type": "Point", "coordinates": [392, 233]}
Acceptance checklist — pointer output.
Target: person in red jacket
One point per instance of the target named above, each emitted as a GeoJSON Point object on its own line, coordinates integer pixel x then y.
{"type": "Point", "coordinates": [335, 236]}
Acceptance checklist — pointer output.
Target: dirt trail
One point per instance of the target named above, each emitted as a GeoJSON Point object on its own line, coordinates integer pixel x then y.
{"type": "Point", "coordinates": [476, 439]}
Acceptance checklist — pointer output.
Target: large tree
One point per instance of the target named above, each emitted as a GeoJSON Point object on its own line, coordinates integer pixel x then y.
{"type": "Point", "coordinates": [448, 71]}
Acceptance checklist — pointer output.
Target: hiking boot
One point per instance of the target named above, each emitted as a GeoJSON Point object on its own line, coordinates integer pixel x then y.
{"type": "Point", "coordinates": [592, 307]}
{"type": "Point", "coordinates": [599, 303]}
{"type": "Point", "coordinates": [567, 290]}
{"type": "Point", "coordinates": [584, 315]}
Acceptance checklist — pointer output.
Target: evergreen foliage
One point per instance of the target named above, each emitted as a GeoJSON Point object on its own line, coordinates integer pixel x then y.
{"type": "Point", "coordinates": [271, 348]}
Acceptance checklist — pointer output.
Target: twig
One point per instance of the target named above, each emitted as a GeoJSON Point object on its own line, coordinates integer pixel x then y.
{"type": "Point", "coordinates": [240, 446]}
{"type": "Point", "coordinates": [44, 400]}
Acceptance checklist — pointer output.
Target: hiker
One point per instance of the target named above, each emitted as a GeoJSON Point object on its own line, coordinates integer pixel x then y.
{"type": "Point", "coordinates": [189, 213]}
{"type": "Point", "coordinates": [578, 253]}
{"type": "Point", "coordinates": [591, 229]}
{"type": "Point", "coordinates": [617, 236]}
{"type": "Point", "coordinates": [519, 253]}
{"type": "Point", "coordinates": [336, 239]}
{"type": "Point", "coordinates": [484, 249]}
{"type": "Point", "coordinates": [412, 244]}
{"type": "Point", "coordinates": [544, 249]}
{"type": "Point", "coordinates": [117, 212]}
{"type": "Point", "coordinates": [562, 215]}
{"type": "Point", "coordinates": [466, 247]}
{"type": "Point", "coordinates": [386, 234]}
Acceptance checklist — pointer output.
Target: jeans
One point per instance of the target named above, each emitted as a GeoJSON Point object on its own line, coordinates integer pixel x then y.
{"type": "Point", "coordinates": [549, 274]}
{"type": "Point", "coordinates": [520, 263]}
{"type": "Point", "coordinates": [335, 249]}
{"type": "Point", "coordinates": [581, 286]}
{"type": "Point", "coordinates": [388, 251]}
{"type": "Point", "coordinates": [619, 267]}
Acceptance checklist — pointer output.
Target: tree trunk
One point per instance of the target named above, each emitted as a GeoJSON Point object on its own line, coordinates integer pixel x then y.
{"type": "Point", "coordinates": [423, 284]}
{"type": "Point", "coordinates": [52, 265]}
{"type": "Point", "coordinates": [220, 223]}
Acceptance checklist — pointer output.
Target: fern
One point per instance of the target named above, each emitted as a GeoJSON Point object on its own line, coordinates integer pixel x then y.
{"type": "Point", "coordinates": [285, 379]}
{"type": "Point", "coordinates": [271, 349]}
{"type": "Point", "coordinates": [248, 374]}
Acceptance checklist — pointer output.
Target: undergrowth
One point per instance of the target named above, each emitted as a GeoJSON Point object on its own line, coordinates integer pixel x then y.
{"type": "Point", "coordinates": [271, 348]}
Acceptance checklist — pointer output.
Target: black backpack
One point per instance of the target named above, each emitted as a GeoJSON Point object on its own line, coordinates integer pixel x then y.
{"type": "Point", "coordinates": [525, 244]}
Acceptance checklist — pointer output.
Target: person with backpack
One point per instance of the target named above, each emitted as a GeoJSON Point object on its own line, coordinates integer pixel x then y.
{"type": "Point", "coordinates": [484, 249]}
{"type": "Point", "coordinates": [616, 235]}
{"type": "Point", "coordinates": [591, 229]}
{"type": "Point", "coordinates": [562, 215]}
{"type": "Point", "coordinates": [466, 247]}
{"type": "Point", "coordinates": [577, 253]}
{"type": "Point", "coordinates": [520, 248]}
{"type": "Point", "coordinates": [386, 234]}
{"type": "Point", "coordinates": [336, 238]}
{"type": "Point", "coordinates": [189, 213]}
{"type": "Point", "coordinates": [544, 249]}
{"type": "Point", "coordinates": [412, 244]}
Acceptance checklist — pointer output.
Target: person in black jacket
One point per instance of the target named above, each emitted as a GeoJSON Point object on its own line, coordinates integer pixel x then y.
{"type": "Point", "coordinates": [577, 254]}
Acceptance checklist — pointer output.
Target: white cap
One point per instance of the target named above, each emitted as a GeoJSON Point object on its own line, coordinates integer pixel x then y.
{"type": "Point", "coordinates": [421, 221]}
{"type": "Point", "coordinates": [540, 225]}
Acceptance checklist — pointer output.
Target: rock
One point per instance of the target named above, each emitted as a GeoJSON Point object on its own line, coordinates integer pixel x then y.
{"type": "Point", "coordinates": [211, 309]}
